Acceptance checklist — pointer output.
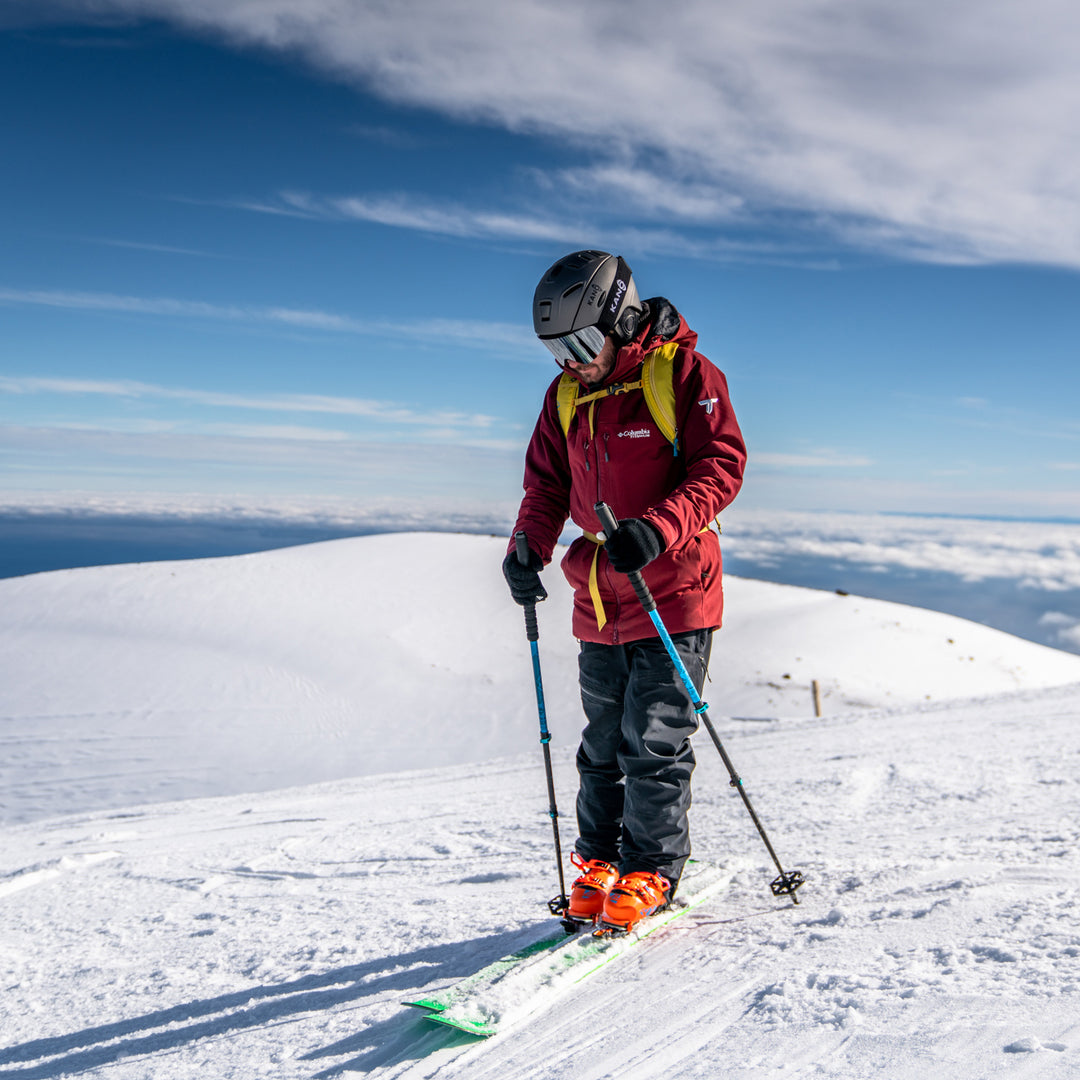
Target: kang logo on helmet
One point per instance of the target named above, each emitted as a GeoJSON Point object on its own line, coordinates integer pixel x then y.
{"type": "Point", "coordinates": [620, 291]}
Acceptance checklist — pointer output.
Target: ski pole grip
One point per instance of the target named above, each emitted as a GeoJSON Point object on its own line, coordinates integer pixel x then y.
{"type": "Point", "coordinates": [610, 525]}
{"type": "Point", "coordinates": [608, 522]}
{"type": "Point", "coordinates": [521, 544]}
{"type": "Point", "coordinates": [521, 548]}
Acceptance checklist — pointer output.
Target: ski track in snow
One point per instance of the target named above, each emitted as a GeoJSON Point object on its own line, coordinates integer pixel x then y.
{"type": "Point", "coordinates": [277, 934]}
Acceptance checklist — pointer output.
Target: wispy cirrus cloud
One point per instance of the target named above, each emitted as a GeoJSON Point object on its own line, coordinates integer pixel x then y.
{"type": "Point", "coordinates": [934, 132]}
{"type": "Point", "coordinates": [476, 333]}
{"type": "Point", "coordinates": [279, 403]}
{"type": "Point", "coordinates": [162, 249]}
{"type": "Point", "coordinates": [571, 226]}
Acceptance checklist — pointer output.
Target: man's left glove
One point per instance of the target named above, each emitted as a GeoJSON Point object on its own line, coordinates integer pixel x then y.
{"type": "Point", "coordinates": [634, 544]}
{"type": "Point", "coordinates": [524, 581]}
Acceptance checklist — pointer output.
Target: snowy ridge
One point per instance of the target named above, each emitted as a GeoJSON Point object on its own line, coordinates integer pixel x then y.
{"type": "Point", "coordinates": [277, 933]}
{"type": "Point", "coordinates": [219, 676]}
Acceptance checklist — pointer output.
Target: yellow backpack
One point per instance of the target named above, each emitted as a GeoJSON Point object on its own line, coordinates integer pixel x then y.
{"type": "Point", "coordinates": [656, 383]}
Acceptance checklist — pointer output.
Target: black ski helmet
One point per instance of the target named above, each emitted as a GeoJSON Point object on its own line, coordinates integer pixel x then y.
{"type": "Point", "coordinates": [584, 289]}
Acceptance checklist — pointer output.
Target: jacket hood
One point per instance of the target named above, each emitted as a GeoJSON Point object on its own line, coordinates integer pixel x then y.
{"type": "Point", "coordinates": [663, 323]}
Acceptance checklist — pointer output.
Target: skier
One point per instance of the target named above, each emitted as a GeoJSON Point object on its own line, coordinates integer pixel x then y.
{"type": "Point", "coordinates": [605, 433]}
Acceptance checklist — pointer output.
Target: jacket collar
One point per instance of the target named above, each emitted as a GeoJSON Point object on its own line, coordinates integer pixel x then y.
{"type": "Point", "coordinates": [672, 326]}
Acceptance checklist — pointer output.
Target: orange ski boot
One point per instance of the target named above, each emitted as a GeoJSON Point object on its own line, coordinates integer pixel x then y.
{"type": "Point", "coordinates": [588, 893]}
{"type": "Point", "coordinates": [632, 898]}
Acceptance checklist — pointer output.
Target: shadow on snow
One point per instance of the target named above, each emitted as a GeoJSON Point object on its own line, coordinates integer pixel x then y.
{"type": "Point", "coordinates": [395, 1040]}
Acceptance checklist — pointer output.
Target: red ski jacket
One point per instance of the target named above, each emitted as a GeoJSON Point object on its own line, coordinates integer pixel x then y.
{"type": "Point", "coordinates": [623, 459]}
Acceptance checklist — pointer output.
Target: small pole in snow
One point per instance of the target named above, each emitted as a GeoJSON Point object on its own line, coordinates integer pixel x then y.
{"type": "Point", "coordinates": [815, 686]}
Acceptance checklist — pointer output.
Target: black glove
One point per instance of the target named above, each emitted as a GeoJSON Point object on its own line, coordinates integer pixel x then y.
{"type": "Point", "coordinates": [524, 581]}
{"type": "Point", "coordinates": [634, 544]}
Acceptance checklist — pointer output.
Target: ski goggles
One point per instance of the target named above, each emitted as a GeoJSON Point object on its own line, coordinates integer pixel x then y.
{"type": "Point", "coordinates": [578, 347]}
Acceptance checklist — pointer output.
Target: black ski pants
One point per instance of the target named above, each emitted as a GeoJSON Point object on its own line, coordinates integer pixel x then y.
{"type": "Point", "coordinates": [635, 758]}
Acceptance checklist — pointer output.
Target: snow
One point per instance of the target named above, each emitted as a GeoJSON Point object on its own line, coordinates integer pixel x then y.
{"type": "Point", "coordinates": [358, 719]}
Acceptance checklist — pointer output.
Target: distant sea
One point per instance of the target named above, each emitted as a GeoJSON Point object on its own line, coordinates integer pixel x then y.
{"type": "Point", "coordinates": [33, 544]}
{"type": "Point", "coordinates": [37, 542]}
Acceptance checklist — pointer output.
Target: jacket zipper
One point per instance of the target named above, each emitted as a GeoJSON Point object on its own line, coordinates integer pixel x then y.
{"type": "Point", "coordinates": [613, 621]}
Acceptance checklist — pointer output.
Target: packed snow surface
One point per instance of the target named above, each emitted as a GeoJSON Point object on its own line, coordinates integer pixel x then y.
{"type": "Point", "coordinates": [934, 809]}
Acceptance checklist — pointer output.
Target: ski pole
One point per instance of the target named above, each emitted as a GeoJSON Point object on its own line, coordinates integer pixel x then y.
{"type": "Point", "coordinates": [788, 881]}
{"type": "Point", "coordinates": [557, 905]}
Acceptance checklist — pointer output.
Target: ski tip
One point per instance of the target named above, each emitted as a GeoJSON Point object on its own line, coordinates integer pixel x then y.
{"type": "Point", "coordinates": [424, 1003]}
{"type": "Point", "coordinates": [478, 1028]}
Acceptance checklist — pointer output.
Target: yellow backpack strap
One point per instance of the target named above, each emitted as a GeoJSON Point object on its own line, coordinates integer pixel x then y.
{"type": "Point", "coordinates": [658, 384]}
{"type": "Point", "coordinates": [566, 400]}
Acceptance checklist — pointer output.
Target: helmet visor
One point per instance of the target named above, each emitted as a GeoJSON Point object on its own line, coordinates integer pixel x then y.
{"type": "Point", "coordinates": [579, 346]}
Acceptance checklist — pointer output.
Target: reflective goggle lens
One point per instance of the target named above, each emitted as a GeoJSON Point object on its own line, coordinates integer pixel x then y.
{"type": "Point", "coordinates": [579, 346]}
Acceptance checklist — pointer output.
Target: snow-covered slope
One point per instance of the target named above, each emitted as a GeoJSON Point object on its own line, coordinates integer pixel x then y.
{"type": "Point", "coordinates": [277, 933]}
{"type": "Point", "coordinates": [130, 684]}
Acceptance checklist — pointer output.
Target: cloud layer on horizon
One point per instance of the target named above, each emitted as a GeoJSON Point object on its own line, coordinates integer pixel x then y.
{"type": "Point", "coordinates": [921, 131]}
{"type": "Point", "coordinates": [1037, 555]}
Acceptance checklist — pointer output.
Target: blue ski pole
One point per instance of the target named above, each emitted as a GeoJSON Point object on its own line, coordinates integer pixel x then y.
{"type": "Point", "coordinates": [788, 881]}
{"type": "Point", "coordinates": [561, 903]}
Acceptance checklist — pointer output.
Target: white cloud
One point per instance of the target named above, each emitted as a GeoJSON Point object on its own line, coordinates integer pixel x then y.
{"type": "Point", "coordinates": [1064, 629]}
{"type": "Point", "coordinates": [451, 221]}
{"type": "Point", "coordinates": [388, 412]}
{"type": "Point", "coordinates": [345, 512]}
{"type": "Point", "coordinates": [164, 249]}
{"type": "Point", "coordinates": [574, 226]}
{"type": "Point", "coordinates": [488, 336]}
{"type": "Point", "coordinates": [1038, 555]}
{"type": "Point", "coordinates": [944, 132]}
{"type": "Point", "coordinates": [235, 460]}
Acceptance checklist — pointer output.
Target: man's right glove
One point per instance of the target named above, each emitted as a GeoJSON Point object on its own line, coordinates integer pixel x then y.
{"type": "Point", "coordinates": [524, 581]}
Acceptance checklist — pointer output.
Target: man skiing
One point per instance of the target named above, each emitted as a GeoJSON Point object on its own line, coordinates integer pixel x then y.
{"type": "Point", "coordinates": [643, 422]}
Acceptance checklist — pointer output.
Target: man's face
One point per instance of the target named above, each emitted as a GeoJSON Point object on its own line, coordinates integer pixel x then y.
{"type": "Point", "coordinates": [595, 373]}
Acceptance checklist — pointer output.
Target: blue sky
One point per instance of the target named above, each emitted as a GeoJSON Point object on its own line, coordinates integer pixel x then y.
{"type": "Point", "coordinates": [288, 249]}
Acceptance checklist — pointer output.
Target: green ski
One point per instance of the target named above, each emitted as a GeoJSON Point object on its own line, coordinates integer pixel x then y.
{"type": "Point", "coordinates": [534, 976]}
